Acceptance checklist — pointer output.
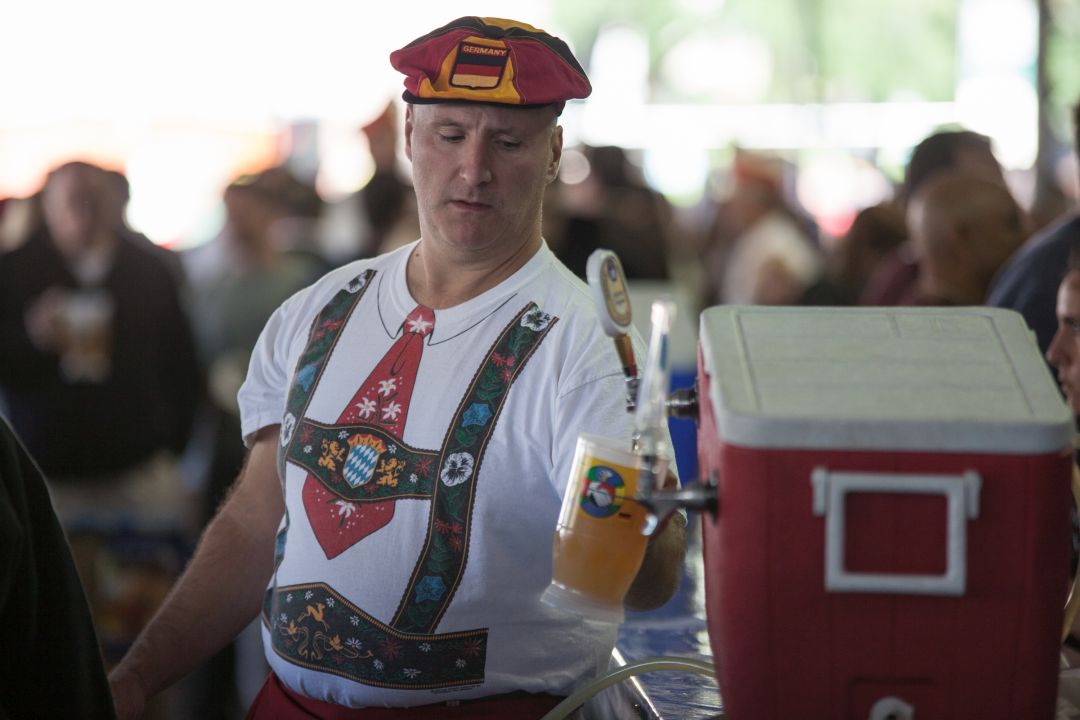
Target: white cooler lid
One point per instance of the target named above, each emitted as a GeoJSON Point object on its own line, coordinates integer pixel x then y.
{"type": "Point", "coordinates": [932, 379]}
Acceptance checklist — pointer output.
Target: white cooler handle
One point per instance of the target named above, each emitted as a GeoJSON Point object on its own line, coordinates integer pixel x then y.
{"type": "Point", "coordinates": [962, 494]}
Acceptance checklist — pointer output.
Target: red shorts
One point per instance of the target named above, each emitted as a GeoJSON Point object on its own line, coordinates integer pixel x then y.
{"type": "Point", "coordinates": [277, 702]}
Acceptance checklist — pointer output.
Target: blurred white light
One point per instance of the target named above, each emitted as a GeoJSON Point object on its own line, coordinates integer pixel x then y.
{"type": "Point", "coordinates": [619, 67]}
{"type": "Point", "coordinates": [574, 167]}
{"type": "Point", "coordinates": [997, 35]}
{"type": "Point", "coordinates": [120, 75]}
{"type": "Point", "coordinates": [1006, 108]}
{"type": "Point", "coordinates": [732, 68]}
{"type": "Point", "coordinates": [702, 6]}
{"type": "Point", "coordinates": [678, 171]}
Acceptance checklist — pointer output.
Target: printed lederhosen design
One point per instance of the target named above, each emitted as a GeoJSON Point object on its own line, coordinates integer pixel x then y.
{"type": "Point", "coordinates": [357, 468]}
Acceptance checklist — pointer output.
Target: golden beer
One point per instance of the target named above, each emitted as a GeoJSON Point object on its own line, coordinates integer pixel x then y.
{"type": "Point", "coordinates": [598, 545]}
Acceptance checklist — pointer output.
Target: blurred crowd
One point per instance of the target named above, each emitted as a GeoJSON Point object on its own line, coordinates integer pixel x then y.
{"type": "Point", "coordinates": [121, 360]}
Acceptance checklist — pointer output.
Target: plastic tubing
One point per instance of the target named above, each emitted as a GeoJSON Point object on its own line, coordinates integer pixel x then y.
{"type": "Point", "coordinates": [573, 702]}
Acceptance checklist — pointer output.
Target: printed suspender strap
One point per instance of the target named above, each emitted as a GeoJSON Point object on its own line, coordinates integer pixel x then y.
{"type": "Point", "coordinates": [322, 338]}
{"type": "Point", "coordinates": [442, 560]}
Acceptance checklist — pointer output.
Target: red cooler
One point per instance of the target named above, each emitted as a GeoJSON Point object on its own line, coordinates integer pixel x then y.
{"type": "Point", "coordinates": [893, 535]}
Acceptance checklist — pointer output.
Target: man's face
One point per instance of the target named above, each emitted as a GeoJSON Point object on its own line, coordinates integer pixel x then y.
{"type": "Point", "coordinates": [1064, 350]}
{"type": "Point", "coordinates": [480, 172]}
{"type": "Point", "coordinates": [72, 206]}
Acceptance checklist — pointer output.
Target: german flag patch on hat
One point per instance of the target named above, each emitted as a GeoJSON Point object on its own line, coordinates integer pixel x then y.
{"type": "Point", "coordinates": [490, 60]}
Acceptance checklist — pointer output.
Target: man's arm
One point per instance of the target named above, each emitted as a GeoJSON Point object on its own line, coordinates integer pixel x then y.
{"type": "Point", "coordinates": [219, 592]}
{"type": "Point", "coordinates": [658, 578]}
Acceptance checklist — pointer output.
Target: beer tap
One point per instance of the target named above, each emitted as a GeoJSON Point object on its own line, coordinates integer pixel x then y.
{"type": "Point", "coordinates": [650, 438]}
{"type": "Point", "coordinates": [647, 396]}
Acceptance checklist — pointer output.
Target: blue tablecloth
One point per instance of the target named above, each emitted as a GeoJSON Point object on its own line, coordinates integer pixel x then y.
{"type": "Point", "coordinates": [675, 630]}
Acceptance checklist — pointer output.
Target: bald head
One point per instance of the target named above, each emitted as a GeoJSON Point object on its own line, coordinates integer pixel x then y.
{"type": "Point", "coordinates": [963, 228]}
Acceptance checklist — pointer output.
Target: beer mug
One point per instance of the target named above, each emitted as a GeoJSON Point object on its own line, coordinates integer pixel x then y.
{"type": "Point", "coordinates": [87, 336]}
{"type": "Point", "coordinates": [598, 545]}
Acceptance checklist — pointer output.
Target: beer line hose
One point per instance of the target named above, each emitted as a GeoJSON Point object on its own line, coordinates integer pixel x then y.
{"type": "Point", "coordinates": [653, 664]}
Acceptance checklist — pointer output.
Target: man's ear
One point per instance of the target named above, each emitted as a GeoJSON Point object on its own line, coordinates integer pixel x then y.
{"type": "Point", "coordinates": [556, 154]}
{"type": "Point", "coordinates": [408, 131]}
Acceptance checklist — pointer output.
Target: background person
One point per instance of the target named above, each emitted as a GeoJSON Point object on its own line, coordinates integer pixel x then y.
{"type": "Point", "coordinates": [1063, 352]}
{"type": "Point", "coordinates": [1029, 282]}
{"type": "Point", "coordinates": [963, 230]}
{"type": "Point", "coordinates": [99, 377]}
{"type": "Point", "coordinates": [895, 280]}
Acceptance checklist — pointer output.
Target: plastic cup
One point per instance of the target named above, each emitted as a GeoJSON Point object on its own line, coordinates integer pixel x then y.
{"type": "Point", "coordinates": [598, 545]}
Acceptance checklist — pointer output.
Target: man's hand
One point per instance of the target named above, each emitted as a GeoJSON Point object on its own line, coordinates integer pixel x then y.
{"type": "Point", "coordinates": [658, 578]}
{"type": "Point", "coordinates": [234, 561]}
{"type": "Point", "coordinates": [44, 320]}
{"type": "Point", "coordinates": [128, 693]}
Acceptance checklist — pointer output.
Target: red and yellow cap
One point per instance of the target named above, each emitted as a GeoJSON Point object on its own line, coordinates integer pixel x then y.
{"type": "Point", "coordinates": [490, 60]}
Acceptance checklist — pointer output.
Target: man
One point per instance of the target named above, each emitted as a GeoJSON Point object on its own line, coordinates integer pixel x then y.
{"type": "Point", "coordinates": [963, 229]}
{"type": "Point", "coordinates": [1063, 353]}
{"type": "Point", "coordinates": [412, 420]}
{"type": "Point", "coordinates": [1064, 349]}
{"type": "Point", "coordinates": [771, 258]}
{"type": "Point", "coordinates": [99, 377]}
{"type": "Point", "coordinates": [1029, 282]}
{"type": "Point", "coordinates": [99, 368]}
{"type": "Point", "coordinates": [895, 279]}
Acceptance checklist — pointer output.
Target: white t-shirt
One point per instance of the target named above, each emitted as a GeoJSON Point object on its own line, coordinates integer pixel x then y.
{"type": "Point", "coordinates": [329, 622]}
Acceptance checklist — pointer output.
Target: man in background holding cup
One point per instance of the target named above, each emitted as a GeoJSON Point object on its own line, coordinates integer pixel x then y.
{"type": "Point", "coordinates": [412, 421]}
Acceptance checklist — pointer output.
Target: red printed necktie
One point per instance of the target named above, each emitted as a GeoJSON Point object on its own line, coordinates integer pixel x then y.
{"type": "Point", "coordinates": [382, 401]}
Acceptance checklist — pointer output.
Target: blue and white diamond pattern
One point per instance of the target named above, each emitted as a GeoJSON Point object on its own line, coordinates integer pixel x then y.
{"type": "Point", "coordinates": [360, 464]}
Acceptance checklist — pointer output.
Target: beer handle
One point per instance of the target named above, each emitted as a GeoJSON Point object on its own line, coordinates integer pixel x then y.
{"type": "Point", "coordinates": [612, 299]}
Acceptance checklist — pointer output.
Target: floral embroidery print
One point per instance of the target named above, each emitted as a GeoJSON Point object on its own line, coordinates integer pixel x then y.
{"type": "Point", "coordinates": [430, 588]}
{"type": "Point", "coordinates": [477, 414]}
{"type": "Point", "coordinates": [306, 376]}
{"type": "Point", "coordinates": [288, 424]}
{"type": "Point", "coordinates": [366, 407]}
{"type": "Point", "coordinates": [536, 320]}
{"type": "Point", "coordinates": [419, 325]}
{"type": "Point", "coordinates": [332, 635]}
{"type": "Point", "coordinates": [457, 469]}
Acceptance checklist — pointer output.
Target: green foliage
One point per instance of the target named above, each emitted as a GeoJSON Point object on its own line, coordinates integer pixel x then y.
{"type": "Point", "coordinates": [1062, 68]}
{"type": "Point", "coordinates": [822, 50]}
{"type": "Point", "coordinates": [874, 50]}
{"type": "Point", "coordinates": [583, 21]}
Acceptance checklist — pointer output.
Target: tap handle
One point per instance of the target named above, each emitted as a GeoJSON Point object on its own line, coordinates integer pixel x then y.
{"type": "Point", "coordinates": [608, 284]}
{"type": "Point", "coordinates": [612, 299]}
